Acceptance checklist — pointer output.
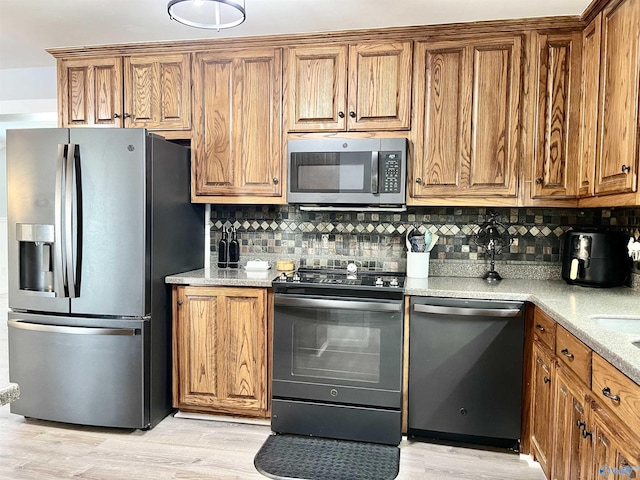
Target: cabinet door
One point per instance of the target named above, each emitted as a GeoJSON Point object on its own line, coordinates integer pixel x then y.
{"type": "Point", "coordinates": [541, 407]}
{"type": "Point", "coordinates": [571, 418]}
{"type": "Point", "coordinates": [158, 91]}
{"type": "Point", "coordinates": [443, 101]}
{"type": "Point", "coordinates": [589, 106]}
{"type": "Point", "coordinates": [616, 450]}
{"type": "Point", "coordinates": [220, 359]}
{"type": "Point", "coordinates": [379, 88]}
{"type": "Point", "coordinates": [495, 113]}
{"type": "Point", "coordinates": [90, 92]}
{"type": "Point", "coordinates": [316, 88]}
{"type": "Point", "coordinates": [557, 121]}
{"type": "Point", "coordinates": [237, 129]}
{"type": "Point", "coordinates": [617, 167]}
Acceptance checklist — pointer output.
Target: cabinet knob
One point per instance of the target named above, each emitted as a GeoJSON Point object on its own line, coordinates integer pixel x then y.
{"type": "Point", "coordinates": [539, 180]}
{"type": "Point", "coordinates": [352, 114]}
{"type": "Point", "coordinates": [606, 391]}
{"type": "Point", "coordinates": [126, 115]}
{"type": "Point", "coordinates": [539, 327]}
{"type": "Point", "coordinates": [418, 180]}
{"type": "Point", "coordinates": [580, 424]}
{"type": "Point", "coordinates": [275, 180]}
{"type": "Point", "coordinates": [586, 434]}
{"type": "Point", "coordinates": [565, 352]}
{"type": "Point", "coordinates": [179, 302]}
{"type": "Point", "coordinates": [116, 115]}
{"type": "Point", "coordinates": [341, 114]}
{"type": "Point", "coordinates": [626, 169]}
{"type": "Point", "coordinates": [547, 379]}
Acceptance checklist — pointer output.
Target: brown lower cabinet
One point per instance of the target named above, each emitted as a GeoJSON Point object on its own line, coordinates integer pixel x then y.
{"type": "Point", "coordinates": [583, 421]}
{"type": "Point", "coordinates": [220, 350]}
{"type": "Point", "coordinates": [543, 368]}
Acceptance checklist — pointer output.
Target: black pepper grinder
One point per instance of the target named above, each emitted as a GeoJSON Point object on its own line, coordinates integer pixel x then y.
{"type": "Point", "coordinates": [234, 249]}
{"type": "Point", "coordinates": [223, 250]}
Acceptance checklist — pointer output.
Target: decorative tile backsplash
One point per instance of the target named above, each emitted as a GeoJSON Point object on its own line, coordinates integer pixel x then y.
{"type": "Point", "coordinates": [378, 239]}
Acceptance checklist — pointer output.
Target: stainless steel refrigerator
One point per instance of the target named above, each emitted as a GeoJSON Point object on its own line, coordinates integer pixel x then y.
{"type": "Point", "coordinates": [96, 219]}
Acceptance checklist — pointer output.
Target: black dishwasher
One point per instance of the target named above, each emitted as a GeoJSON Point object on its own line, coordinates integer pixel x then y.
{"type": "Point", "coordinates": [465, 370]}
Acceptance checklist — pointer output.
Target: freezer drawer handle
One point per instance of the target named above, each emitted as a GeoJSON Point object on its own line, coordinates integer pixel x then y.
{"type": "Point", "coordinates": [476, 312]}
{"type": "Point", "coordinates": [72, 330]}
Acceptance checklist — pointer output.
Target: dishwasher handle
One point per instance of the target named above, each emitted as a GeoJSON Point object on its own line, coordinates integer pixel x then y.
{"type": "Point", "coordinates": [476, 312]}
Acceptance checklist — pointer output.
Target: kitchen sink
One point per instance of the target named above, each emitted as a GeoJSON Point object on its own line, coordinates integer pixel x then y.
{"type": "Point", "coordinates": [620, 325]}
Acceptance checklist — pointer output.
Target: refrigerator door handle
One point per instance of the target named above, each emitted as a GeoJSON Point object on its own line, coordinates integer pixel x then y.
{"type": "Point", "coordinates": [72, 217]}
{"type": "Point", "coordinates": [39, 327]}
{"type": "Point", "coordinates": [58, 251]}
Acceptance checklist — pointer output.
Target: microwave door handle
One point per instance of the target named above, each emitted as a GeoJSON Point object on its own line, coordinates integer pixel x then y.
{"type": "Point", "coordinates": [374, 172]}
{"type": "Point", "coordinates": [58, 239]}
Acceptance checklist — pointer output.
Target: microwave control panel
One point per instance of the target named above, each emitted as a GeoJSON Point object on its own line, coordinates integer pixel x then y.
{"type": "Point", "coordinates": [390, 173]}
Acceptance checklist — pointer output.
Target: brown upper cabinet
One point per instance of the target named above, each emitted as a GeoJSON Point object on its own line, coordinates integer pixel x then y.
{"type": "Point", "coordinates": [157, 91]}
{"type": "Point", "coordinates": [151, 91]}
{"type": "Point", "coordinates": [609, 134]}
{"type": "Point", "coordinates": [557, 121]}
{"type": "Point", "coordinates": [237, 133]}
{"type": "Point", "coordinates": [467, 109]}
{"type": "Point", "coordinates": [359, 87]}
{"type": "Point", "coordinates": [90, 92]}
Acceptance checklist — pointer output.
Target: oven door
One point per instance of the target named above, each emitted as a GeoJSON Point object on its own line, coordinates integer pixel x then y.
{"type": "Point", "coordinates": [338, 350]}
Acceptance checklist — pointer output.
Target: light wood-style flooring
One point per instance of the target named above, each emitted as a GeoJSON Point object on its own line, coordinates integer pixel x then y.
{"type": "Point", "coordinates": [180, 448]}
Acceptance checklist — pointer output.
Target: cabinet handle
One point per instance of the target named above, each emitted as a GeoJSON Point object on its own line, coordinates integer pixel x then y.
{"type": "Point", "coordinates": [547, 379]}
{"type": "Point", "coordinates": [539, 180]}
{"type": "Point", "coordinates": [539, 327]}
{"type": "Point", "coordinates": [606, 391]}
{"type": "Point", "coordinates": [352, 114]}
{"type": "Point", "coordinates": [586, 434]}
{"type": "Point", "coordinates": [566, 353]}
{"type": "Point", "coordinates": [626, 169]}
{"type": "Point", "coordinates": [418, 180]}
{"type": "Point", "coordinates": [341, 114]}
{"type": "Point", "coordinates": [179, 302]}
{"type": "Point", "coordinates": [580, 424]}
{"type": "Point", "coordinates": [275, 180]}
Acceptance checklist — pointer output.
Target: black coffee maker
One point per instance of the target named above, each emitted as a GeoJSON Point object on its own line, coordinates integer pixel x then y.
{"type": "Point", "coordinates": [595, 258]}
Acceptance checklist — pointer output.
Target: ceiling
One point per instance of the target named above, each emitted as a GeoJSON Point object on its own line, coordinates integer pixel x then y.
{"type": "Point", "coordinates": [28, 27]}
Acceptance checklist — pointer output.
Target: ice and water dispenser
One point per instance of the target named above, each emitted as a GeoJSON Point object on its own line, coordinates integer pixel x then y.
{"type": "Point", "coordinates": [36, 257]}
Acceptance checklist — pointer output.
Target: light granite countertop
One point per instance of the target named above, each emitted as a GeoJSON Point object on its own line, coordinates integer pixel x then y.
{"type": "Point", "coordinates": [9, 393]}
{"type": "Point", "coordinates": [573, 307]}
{"type": "Point", "coordinates": [221, 277]}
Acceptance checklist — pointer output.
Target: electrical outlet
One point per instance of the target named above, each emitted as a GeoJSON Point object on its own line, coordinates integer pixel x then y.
{"type": "Point", "coordinates": [325, 240]}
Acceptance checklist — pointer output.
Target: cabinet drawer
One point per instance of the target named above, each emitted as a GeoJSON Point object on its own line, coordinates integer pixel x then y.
{"type": "Point", "coordinates": [575, 354]}
{"type": "Point", "coordinates": [608, 380]}
{"type": "Point", "coordinates": [544, 329]}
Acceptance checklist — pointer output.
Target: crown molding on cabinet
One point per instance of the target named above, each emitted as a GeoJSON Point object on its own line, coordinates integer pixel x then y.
{"type": "Point", "coordinates": [423, 32]}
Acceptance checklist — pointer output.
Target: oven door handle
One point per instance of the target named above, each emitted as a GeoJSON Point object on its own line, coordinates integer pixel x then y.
{"type": "Point", "coordinates": [342, 304]}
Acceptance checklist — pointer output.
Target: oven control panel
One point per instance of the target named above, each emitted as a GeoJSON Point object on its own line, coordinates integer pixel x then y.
{"type": "Point", "coordinates": [368, 281]}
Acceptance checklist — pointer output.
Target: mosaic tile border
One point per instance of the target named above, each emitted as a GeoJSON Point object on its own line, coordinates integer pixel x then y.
{"type": "Point", "coordinates": [378, 238]}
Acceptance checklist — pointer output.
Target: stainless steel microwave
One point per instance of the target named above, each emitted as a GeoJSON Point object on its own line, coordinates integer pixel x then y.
{"type": "Point", "coordinates": [339, 172]}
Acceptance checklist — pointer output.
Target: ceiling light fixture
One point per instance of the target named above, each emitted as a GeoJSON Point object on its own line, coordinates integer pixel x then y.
{"type": "Point", "coordinates": [210, 14]}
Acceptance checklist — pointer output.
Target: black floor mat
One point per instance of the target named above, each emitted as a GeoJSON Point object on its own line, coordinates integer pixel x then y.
{"type": "Point", "coordinates": [312, 458]}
